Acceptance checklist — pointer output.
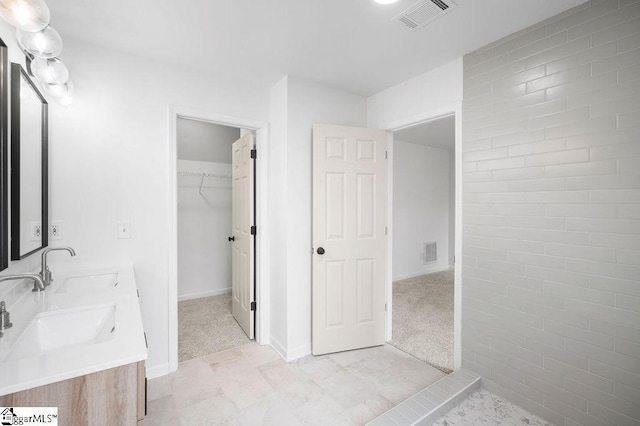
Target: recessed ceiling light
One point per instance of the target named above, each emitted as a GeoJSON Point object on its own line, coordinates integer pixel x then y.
{"type": "Point", "coordinates": [385, 1]}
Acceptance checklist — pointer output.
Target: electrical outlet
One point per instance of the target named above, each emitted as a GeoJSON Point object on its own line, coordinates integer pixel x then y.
{"type": "Point", "coordinates": [36, 231]}
{"type": "Point", "coordinates": [124, 230]}
{"type": "Point", "coordinates": [55, 231]}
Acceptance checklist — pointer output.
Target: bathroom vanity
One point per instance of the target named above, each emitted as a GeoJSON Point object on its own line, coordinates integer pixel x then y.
{"type": "Point", "coordinates": [79, 346]}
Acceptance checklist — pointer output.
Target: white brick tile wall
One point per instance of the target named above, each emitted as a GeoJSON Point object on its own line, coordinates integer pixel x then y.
{"type": "Point", "coordinates": [551, 214]}
{"type": "Point", "coordinates": [577, 56]}
{"type": "Point", "coordinates": [621, 60]}
{"type": "Point", "coordinates": [615, 32]}
{"type": "Point", "coordinates": [604, 24]}
{"type": "Point", "coordinates": [562, 370]}
{"type": "Point", "coordinates": [629, 211]}
{"type": "Point", "coordinates": [559, 276]}
{"type": "Point", "coordinates": [629, 73]}
{"type": "Point", "coordinates": [617, 286]}
{"type": "Point", "coordinates": [606, 138]}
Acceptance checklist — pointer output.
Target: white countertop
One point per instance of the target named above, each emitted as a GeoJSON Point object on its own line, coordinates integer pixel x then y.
{"type": "Point", "coordinates": [127, 345]}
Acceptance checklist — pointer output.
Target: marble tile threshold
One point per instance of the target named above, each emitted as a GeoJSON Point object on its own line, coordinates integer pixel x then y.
{"type": "Point", "coordinates": [428, 405]}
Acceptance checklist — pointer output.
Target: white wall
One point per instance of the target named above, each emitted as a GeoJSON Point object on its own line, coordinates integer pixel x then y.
{"type": "Point", "coordinates": [202, 141]}
{"type": "Point", "coordinates": [428, 95]}
{"type": "Point", "coordinates": [204, 216]}
{"type": "Point", "coordinates": [421, 192]}
{"type": "Point", "coordinates": [295, 106]}
{"type": "Point", "coordinates": [278, 214]}
{"type": "Point", "coordinates": [204, 226]}
{"type": "Point", "coordinates": [109, 161]}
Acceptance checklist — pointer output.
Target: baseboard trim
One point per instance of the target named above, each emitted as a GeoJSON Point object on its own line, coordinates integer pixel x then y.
{"type": "Point", "coordinates": [204, 294]}
{"type": "Point", "coordinates": [278, 347]}
{"type": "Point", "coordinates": [417, 274]}
{"type": "Point", "coordinates": [157, 371]}
{"type": "Point", "coordinates": [299, 352]}
{"type": "Point", "coordinates": [289, 355]}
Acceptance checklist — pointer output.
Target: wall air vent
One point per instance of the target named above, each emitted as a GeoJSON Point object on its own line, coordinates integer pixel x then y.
{"type": "Point", "coordinates": [430, 252]}
{"type": "Point", "coordinates": [423, 12]}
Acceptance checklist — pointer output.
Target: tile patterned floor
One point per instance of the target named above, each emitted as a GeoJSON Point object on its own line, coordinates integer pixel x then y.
{"type": "Point", "coordinates": [483, 408]}
{"type": "Point", "coordinates": [252, 385]}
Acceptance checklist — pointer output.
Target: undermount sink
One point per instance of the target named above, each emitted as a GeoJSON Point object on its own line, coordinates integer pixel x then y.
{"type": "Point", "coordinates": [50, 331]}
{"type": "Point", "coordinates": [89, 283]}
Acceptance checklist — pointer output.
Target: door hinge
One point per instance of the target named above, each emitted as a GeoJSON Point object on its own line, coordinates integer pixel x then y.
{"type": "Point", "coordinates": [253, 230]}
{"type": "Point", "coordinates": [254, 154]}
{"type": "Point", "coordinates": [385, 307]}
{"type": "Point", "coordinates": [385, 230]}
{"type": "Point", "coordinates": [253, 306]}
{"type": "Point", "coordinates": [386, 154]}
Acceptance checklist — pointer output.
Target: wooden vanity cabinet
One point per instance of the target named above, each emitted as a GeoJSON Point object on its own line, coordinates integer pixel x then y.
{"type": "Point", "coordinates": [110, 397]}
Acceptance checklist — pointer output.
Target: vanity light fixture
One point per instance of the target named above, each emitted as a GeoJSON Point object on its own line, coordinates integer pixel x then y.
{"type": "Point", "coordinates": [41, 44]}
{"type": "Point", "coordinates": [29, 15]}
{"type": "Point", "coordinates": [45, 43]}
{"type": "Point", "coordinates": [60, 91]}
{"type": "Point", "coordinates": [49, 70]}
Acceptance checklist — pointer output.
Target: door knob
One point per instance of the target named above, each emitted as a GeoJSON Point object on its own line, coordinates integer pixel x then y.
{"type": "Point", "coordinates": [320, 250]}
{"type": "Point", "coordinates": [232, 238]}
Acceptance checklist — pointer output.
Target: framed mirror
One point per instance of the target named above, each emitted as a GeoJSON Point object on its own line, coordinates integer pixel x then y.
{"type": "Point", "coordinates": [29, 166]}
{"type": "Point", "coordinates": [4, 155]}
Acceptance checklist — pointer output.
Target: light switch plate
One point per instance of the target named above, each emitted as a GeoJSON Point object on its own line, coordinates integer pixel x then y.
{"type": "Point", "coordinates": [124, 230]}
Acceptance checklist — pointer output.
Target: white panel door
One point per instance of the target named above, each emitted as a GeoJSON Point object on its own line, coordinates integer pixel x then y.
{"type": "Point", "coordinates": [349, 241]}
{"type": "Point", "coordinates": [242, 258]}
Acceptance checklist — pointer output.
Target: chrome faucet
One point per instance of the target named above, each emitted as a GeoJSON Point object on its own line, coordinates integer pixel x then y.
{"type": "Point", "coordinates": [45, 273]}
{"type": "Point", "coordinates": [38, 284]}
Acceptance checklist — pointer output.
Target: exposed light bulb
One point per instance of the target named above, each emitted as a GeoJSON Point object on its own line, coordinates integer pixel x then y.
{"type": "Point", "coordinates": [46, 43]}
{"type": "Point", "coordinates": [28, 15]}
{"type": "Point", "coordinates": [49, 70]}
{"type": "Point", "coordinates": [64, 90]}
{"type": "Point", "coordinates": [65, 101]}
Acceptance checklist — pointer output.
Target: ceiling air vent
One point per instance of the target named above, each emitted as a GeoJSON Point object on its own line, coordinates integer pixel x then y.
{"type": "Point", "coordinates": [423, 12]}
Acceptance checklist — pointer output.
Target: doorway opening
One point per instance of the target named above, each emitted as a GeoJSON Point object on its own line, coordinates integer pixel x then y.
{"type": "Point", "coordinates": [206, 323]}
{"type": "Point", "coordinates": [211, 184]}
{"type": "Point", "coordinates": [424, 241]}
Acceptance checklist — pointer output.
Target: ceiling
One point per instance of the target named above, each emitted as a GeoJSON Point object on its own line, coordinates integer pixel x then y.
{"type": "Point", "coordinates": [351, 45]}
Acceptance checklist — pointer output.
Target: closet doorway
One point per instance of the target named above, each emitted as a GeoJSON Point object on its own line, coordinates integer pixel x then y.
{"type": "Point", "coordinates": [215, 245]}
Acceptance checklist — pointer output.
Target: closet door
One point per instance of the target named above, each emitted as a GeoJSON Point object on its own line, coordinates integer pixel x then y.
{"type": "Point", "coordinates": [242, 280]}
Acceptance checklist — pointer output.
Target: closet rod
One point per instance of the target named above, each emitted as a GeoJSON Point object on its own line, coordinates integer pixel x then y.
{"type": "Point", "coordinates": [205, 174]}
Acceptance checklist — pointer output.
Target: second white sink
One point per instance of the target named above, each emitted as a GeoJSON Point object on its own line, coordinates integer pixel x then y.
{"type": "Point", "coordinates": [50, 331]}
{"type": "Point", "coordinates": [89, 283]}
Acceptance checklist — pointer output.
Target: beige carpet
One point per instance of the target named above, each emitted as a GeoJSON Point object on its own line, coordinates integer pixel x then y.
{"type": "Point", "coordinates": [423, 318]}
{"type": "Point", "coordinates": [206, 326]}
